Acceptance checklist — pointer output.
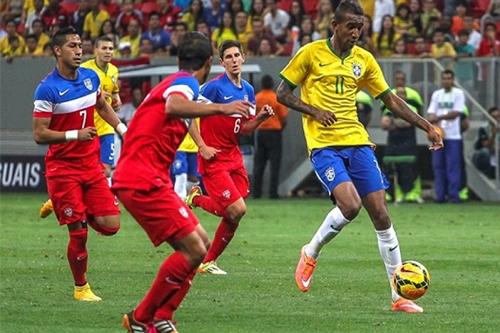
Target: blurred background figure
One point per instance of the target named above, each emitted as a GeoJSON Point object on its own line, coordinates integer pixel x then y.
{"type": "Point", "coordinates": [484, 157]}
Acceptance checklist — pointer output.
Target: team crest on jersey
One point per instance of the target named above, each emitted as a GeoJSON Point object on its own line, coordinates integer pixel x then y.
{"type": "Point", "coordinates": [88, 84]}
{"type": "Point", "coordinates": [330, 174]}
{"type": "Point", "coordinates": [226, 194]}
{"type": "Point", "coordinates": [68, 212]}
{"type": "Point", "coordinates": [356, 69]}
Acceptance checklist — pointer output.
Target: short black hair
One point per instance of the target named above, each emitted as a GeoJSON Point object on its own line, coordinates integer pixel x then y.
{"type": "Point", "coordinates": [59, 38]}
{"type": "Point", "coordinates": [347, 6]}
{"type": "Point", "coordinates": [463, 32]}
{"type": "Point", "coordinates": [228, 44]}
{"type": "Point", "coordinates": [448, 71]}
{"type": "Point", "coordinates": [267, 82]}
{"type": "Point", "coordinates": [103, 38]}
{"type": "Point", "coordinates": [493, 109]}
{"type": "Point", "coordinates": [31, 36]}
{"type": "Point", "coordinates": [194, 51]}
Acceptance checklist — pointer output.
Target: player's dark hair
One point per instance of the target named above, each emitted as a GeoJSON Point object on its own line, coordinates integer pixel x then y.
{"type": "Point", "coordinates": [463, 32]}
{"type": "Point", "coordinates": [267, 82]}
{"type": "Point", "coordinates": [449, 72]}
{"type": "Point", "coordinates": [194, 51]}
{"type": "Point", "coordinates": [493, 109]}
{"type": "Point", "coordinates": [228, 44]}
{"type": "Point", "coordinates": [400, 72]}
{"type": "Point", "coordinates": [103, 38]}
{"type": "Point", "coordinates": [59, 37]}
{"type": "Point", "coordinates": [347, 6]}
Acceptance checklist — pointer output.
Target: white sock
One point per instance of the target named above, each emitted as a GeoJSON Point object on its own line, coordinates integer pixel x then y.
{"type": "Point", "coordinates": [109, 181]}
{"type": "Point", "coordinates": [387, 241]}
{"type": "Point", "coordinates": [180, 185]}
{"type": "Point", "coordinates": [331, 226]}
{"type": "Point", "coordinates": [190, 184]}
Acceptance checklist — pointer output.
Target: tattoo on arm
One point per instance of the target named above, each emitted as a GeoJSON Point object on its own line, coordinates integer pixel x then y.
{"type": "Point", "coordinates": [286, 97]}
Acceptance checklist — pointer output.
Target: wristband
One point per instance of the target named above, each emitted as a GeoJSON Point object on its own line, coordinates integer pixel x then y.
{"type": "Point", "coordinates": [71, 135]}
{"type": "Point", "coordinates": [121, 128]}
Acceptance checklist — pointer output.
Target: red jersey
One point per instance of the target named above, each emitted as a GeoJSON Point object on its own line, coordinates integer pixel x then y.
{"type": "Point", "coordinates": [70, 105]}
{"type": "Point", "coordinates": [221, 131]}
{"type": "Point", "coordinates": [153, 137]}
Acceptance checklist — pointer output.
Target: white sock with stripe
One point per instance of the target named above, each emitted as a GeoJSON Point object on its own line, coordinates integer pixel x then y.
{"type": "Point", "coordinates": [388, 246]}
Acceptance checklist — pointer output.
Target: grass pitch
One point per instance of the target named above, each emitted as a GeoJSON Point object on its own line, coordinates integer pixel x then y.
{"type": "Point", "coordinates": [459, 244]}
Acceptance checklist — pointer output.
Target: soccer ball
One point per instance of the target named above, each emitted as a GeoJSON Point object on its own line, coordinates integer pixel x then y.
{"type": "Point", "coordinates": [411, 280]}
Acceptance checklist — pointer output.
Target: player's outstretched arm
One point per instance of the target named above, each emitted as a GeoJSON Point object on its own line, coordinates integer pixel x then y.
{"type": "Point", "coordinates": [401, 109]}
{"type": "Point", "coordinates": [205, 151]}
{"type": "Point", "coordinates": [286, 97]}
{"type": "Point", "coordinates": [43, 135]}
{"type": "Point", "coordinates": [109, 115]}
{"type": "Point", "coordinates": [264, 113]}
{"type": "Point", "coordinates": [179, 106]}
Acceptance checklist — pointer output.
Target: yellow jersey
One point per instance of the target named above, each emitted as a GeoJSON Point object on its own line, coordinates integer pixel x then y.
{"type": "Point", "coordinates": [109, 84]}
{"type": "Point", "coordinates": [330, 83]}
{"type": "Point", "coordinates": [188, 145]}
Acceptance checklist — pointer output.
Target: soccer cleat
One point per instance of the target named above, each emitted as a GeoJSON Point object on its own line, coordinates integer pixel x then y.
{"type": "Point", "coordinates": [195, 191]}
{"type": "Point", "coordinates": [132, 325]}
{"type": "Point", "coordinates": [304, 271]}
{"type": "Point", "coordinates": [165, 326]}
{"type": "Point", "coordinates": [84, 293]}
{"type": "Point", "coordinates": [211, 268]}
{"type": "Point", "coordinates": [46, 209]}
{"type": "Point", "coordinates": [405, 305]}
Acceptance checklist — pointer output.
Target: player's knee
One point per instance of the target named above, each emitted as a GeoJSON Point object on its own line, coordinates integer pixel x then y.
{"type": "Point", "coordinates": [351, 209]}
{"type": "Point", "coordinates": [381, 218]}
{"type": "Point", "coordinates": [105, 227]}
{"type": "Point", "coordinates": [198, 253]}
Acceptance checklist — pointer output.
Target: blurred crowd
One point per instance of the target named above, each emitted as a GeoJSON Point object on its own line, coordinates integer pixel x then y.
{"type": "Point", "coordinates": [266, 28]}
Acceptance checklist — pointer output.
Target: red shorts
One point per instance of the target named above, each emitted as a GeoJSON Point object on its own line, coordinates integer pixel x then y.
{"type": "Point", "coordinates": [160, 212]}
{"type": "Point", "coordinates": [75, 195]}
{"type": "Point", "coordinates": [226, 187]}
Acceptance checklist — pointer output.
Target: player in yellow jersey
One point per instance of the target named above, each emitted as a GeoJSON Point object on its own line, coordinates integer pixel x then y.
{"type": "Point", "coordinates": [108, 76]}
{"type": "Point", "coordinates": [185, 166]}
{"type": "Point", "coordinates": [330, 72]}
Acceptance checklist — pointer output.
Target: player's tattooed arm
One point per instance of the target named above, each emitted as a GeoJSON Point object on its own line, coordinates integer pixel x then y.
{"type": "Point", "coordinates": [286, 97]}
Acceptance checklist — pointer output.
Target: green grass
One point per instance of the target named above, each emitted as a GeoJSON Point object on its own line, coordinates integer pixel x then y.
{"type": "Point", "coordinates": [459, 244]}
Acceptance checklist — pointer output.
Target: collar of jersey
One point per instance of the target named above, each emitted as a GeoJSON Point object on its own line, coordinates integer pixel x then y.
{"type": "Point", "coordinates": [226, 77]}
{"type": "Point", "coordinates": [330, 46]}
{"type": "Point", "coordinates": [65, 78]}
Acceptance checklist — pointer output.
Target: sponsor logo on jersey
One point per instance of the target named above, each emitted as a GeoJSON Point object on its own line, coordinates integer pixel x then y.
{"type": "Point", "coordinates": [62, 93]}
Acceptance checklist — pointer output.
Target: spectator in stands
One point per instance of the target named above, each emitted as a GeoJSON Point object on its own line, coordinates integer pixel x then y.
{"type": "Point", "coordinates": [464, 70]}
{"type": "Point", "coordinates": [268, 145]}
{"type": "Point", "coordinates": [364, 107]}
{"type": "Point", "coordinates": [401, 150]}
{"type": "Point", "coordinates": [415, 15]}
{"type": "Point", "coordinates": [323, 20]}
{"type": "Point", "coordinates": [384, 40]}
{"type": "Point", "coordinates": [31, 46]}
{"type": "Point", "coordinates": [202, 27]}
{"type": "Point", "coordinates": [421, 48]}
{"type": "Point", "coordinates": [457, 20]}
{"type": "Point", "coordinates": [133, 37]}
{"type": "Point", "coordinates": [146, 49]}
{"type": "Point", "coordinates": [258, 35]}
{"type": "Point", "coordinates": [366, 38]}
{"type": "Point", "coordinates": [265, 48]}
{"type": "Point", "coordinates": [430, 12]}
{"type": "Point", "coordinates": [41, 37]}
{"type": "Point", "coordinates": [127, 13]}
{"type": "Point", "coordinates": [159, 38]}
{"type": "Point", "coordinates": [368, 7]}
{"type": "Point", "coordinates": [445, 110]}
{"type": "Point", "coordinates": [257, 10]}
{"type": "Point", "coordinates": [235, 6]}
{"type": "Point", "coordinates": [382, 9]}
{"type": "Point", "coordinates": [88, 48]}
{"type": "Point", "coordinates": [7, 49]}
{"type": "Point", "coordinates": [78, 17]}
{"type": "Point", "coordinates": [124, 50]}
{"type": "Point", "coordinates": [307, 28]}
{"type": "Point", "coordinates": [296, 14]}
{"type": "Point", "coordinates": [127, 110]}
{"type": "Point", "coordinates": [440, 49]}
{"type": "Point", "coordinates": [55, 14]}
{"type": "Point", "coordinates": [193, 15]}
{"type": "Point", "coordinates": [492, 14]}
{"type": "Point", "coordinates": [276, 21]}
{"type": "Point", "coordinates": [243, 29]}
{"type": "Point", "coordinates": [169, 14]}
{"type": "Point", "coordinates": [111, 6]}
{"type": "Point", "coordinates": [13, 10]}
{"type": "Point", "coordinates": [213, 15]}
{"type": "Point", "coordinates": [490, 45]}
{"type": "Point", "coordinates": [484, 148]}
{"type": "Point", "coordinates": [180, 29]}
{"type": "Point", "coordinates": [225, 31]}
{"type": "Point", "coordinates": [108, 30]}
{"type": "Point", "coordinates": [403, 24]}
{"type": "Point", "coordinates": [400, 49]}
{"type": "Point", "coordinates": [94, 20]}
{"type": "Point", "coordinates": [36, 13]}
{"type": "Point", "coordinates": [474, 35]}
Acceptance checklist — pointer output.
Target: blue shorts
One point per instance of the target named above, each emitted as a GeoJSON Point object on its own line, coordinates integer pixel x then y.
{"type": "Point", "coordinates": [107, 143]}
{"type": "Point", "coordinates": [185, 163]}
{"type": "Point", "coordinates": [353, 164]}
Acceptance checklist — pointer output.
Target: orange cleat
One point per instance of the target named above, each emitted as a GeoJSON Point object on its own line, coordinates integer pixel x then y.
{"type": "Point", "coordinates": [405, 305]}
{"type": "Point", "coordinates": [132, 325]}
{"type": "Point", "coordinates": [304, 271]}
{"type": "Point", "coordinates": [195, 191]}
{"type": "Point", "coordinates": [46, 209]}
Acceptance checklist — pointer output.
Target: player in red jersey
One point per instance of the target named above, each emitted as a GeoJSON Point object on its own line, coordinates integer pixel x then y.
{"type": "Point", "coordinates": [63, 117]}
{"type": "Point", "coordinates": [142, 181]}
{"type": "Point", "coordinates": [223, 173]}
